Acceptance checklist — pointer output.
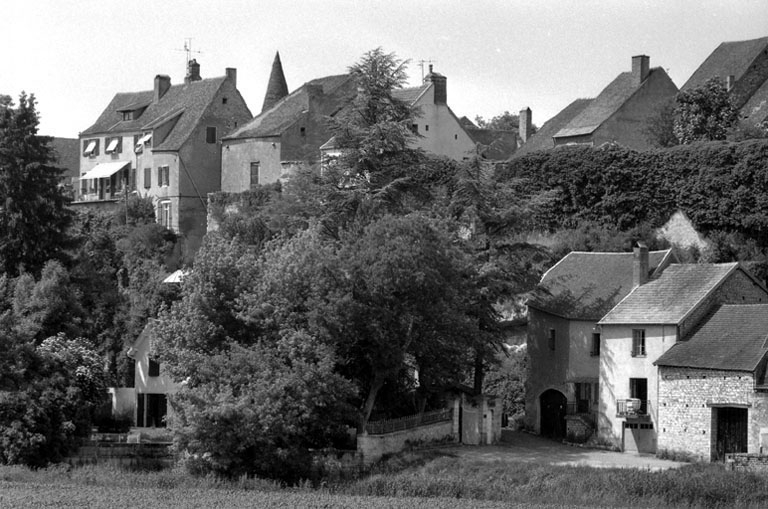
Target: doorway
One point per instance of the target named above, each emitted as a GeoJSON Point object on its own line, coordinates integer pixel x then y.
{"type": "Point", "coordinates": [731, 434]}
{"type": "Point", "coordinates": [552, 406]}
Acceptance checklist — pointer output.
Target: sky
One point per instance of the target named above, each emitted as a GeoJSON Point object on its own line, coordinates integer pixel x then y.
{"type": "Point", "coordinates": [497, 55]}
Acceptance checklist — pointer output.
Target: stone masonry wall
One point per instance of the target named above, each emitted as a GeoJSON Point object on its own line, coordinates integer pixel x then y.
{"type": "Point", "coordinates": [686, 399]}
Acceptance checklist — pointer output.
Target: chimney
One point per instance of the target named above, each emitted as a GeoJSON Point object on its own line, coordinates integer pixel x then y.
{"type": "Point", "coordinates": [193, 72]}
{"type": "Point", "coordinates": [441, 85]}
{"type": "Point", "coordinates": [314, 92]}
{"type": "Point", "coordinates": [640, 68]}
{"type": "Point", "coordinates": [640, 264]}
{"type": "Point", "coordinates": [525, 121]}
{"type": "Point", "coordinates": [162, 84]}
{"type": "Point", "coordinates": [729, 82]}
{"type": "Point", "coordinates": [231, 73]}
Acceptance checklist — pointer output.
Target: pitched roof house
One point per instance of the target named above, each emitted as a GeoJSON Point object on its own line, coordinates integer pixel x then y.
{"type": "Point", "coordinates": [639, 331]}
{"type": "Point", "coordinates": [620, 113]}
{"type": "Point", "coordinates": [742, 66]}
{"type": "Point", "coordinates": [543, 139]}
{"type": "Point", "coordinates": [163, 143]}
{"type": "Point", "coordinates": [564, 342]}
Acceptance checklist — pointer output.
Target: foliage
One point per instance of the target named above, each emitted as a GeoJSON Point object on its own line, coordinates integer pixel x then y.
{"type": "Point", "coordinates": [704, 113]}
{"type": "Point", "coordinates": [507, 380]}
{"type": "Point", "coordinates": [51, 405]}
{"type": "Point", "coordinates": [33, 217]}
{"type": "Point", "coordinates": [660, 128]}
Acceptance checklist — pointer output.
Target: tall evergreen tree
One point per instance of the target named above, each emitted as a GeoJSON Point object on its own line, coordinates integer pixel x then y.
{"type": "Point", "coordinates": [33, 217]}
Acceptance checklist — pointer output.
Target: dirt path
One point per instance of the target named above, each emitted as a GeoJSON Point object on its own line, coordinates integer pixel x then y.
{"type": "Point", "coordinates": [523, 447]}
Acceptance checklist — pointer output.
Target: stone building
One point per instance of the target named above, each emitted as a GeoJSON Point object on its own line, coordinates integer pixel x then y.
{"type": "Point", "coordinates": [621, 112]}
{"type": "Point", "coordinates": [742, 66]}
{"type": "Point", "coordinates": [713, 397]}
{"type": "Point", "coordinates": [655, 317]}
{"type": "Point", "coordinates": [564, 341]}
{"type": "Point", "coordinates": [163, 143]}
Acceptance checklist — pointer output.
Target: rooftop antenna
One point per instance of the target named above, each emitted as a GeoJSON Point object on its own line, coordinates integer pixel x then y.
{"type": "Point", "coordinates": [188, 50]}
{"type": "Point", "coordinates": [421, 64]}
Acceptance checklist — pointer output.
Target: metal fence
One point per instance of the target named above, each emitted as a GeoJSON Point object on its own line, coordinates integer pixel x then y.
{"type": "Point", "coordinates": [409, 422]}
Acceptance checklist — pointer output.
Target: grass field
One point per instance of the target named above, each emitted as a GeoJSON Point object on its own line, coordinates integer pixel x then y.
{"type": "Point", "coordinates": [428, 479]}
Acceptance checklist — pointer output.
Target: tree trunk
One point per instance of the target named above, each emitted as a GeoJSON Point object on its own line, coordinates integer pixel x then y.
{"type": "Point", "coordinates": [376, 384]}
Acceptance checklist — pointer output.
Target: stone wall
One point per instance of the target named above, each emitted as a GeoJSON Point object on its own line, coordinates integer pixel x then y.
{"type": "Point", "coordinates": [687, 398]}
{"type": "Point", "coordinates": [747, 462]}
{"type": "Point", "coordinates": [373, 447]}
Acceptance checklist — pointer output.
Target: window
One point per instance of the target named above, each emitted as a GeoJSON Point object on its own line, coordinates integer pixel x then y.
{"type": "Point", "coordinates": [132, 179]}
{"type": "Point", "coordinates": [210, 134]}
{"type": "Point", "coordinates": [154, 368]}
{"type": "Point", "coordinates": [415, 128]}
{"type": "Point", "coordinates": [127, 115]}
{"type": "Point", "coordinates": [426, 127]}
{"type": "Point", "coordinates": [638, 389]}
{"type": "Point", "coordinates": [638, 342]}
{"type": "Point", "coordinates": [303, 131]}
{"type": "Point", "coordinates": [254, 175]}
{"type": "Point", "coordinates": [91, 148]}
{"type": "Point", "coordinates": [595, 344]}
{"type": "Point", "coordinates": [147, 178]}
{"type": "Point", "coordinates": [164, 213]}
{"type": "Point", "coordinates": [163, 176]}
{"type": "Point", "coordinates": [551, 341]}
{"type": "Point", "coordinates": [223, 100]}
{"type": "Point", "coordinates": [114, 146]}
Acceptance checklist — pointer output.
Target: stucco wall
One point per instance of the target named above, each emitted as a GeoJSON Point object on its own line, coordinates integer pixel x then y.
{"type": "Point", "coordinates": [686, 400]}
{"type": "Point", "coordinates": [237, 156]}
{"type": "Point", "coordinates": [373, 447]}
{"type": "Point", "coordinates": [617, 366]}
{"type": "Point", "coordinates": [445, 135]}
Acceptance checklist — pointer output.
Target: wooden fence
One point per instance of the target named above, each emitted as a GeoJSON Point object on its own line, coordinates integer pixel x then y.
{"type": "Point", "coordinates": [409, 422]}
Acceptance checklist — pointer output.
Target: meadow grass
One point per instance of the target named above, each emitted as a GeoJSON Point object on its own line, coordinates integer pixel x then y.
{"type": "Point", "coordinates": [432, 479]}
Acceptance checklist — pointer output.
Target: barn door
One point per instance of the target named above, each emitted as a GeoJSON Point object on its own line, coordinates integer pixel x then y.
{"type": "Point", "coordinates": [731, 431]}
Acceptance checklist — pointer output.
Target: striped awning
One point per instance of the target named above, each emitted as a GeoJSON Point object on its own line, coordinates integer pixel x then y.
{"type": "Point", "coordinates": [104, 170]}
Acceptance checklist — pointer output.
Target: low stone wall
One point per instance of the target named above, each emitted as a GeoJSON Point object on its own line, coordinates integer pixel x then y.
{"type": "Point", "coordinates": [373, 447]}
{"type": "Point", "coordinates": [746, 462]}
{"type": "Point", "coordinates": [146, 455]}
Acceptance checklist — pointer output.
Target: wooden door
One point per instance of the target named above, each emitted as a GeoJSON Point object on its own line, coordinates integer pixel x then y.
{"type": "Point", "coordinates": [731, 431]}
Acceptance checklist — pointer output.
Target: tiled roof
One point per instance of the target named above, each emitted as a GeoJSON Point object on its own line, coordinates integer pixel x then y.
{"type": "Point", "coordinates": [755, 110]}
{"type": "Point", "coordinates": [287, 111]}
{"type": "Point", "coordinates": [411, 94]}
{"type": "Point", "coordinates": [193, 98]}
{"type": "Point", "coordinates": [495, 144]}
{"type": "Point", "coordinates": [603, 106]}
{"type": "Point", "coordinates": [586, 285]}
{"type": "Point", "coordinates": [67, 154]}
{"type": "Point", "coordinates": [542, 140]}
{"type": "Point", "coordinates": [669, 299]}
{"type": "Point", "coordinates": [733, 337]}
{"type": "Point", "coordinates": [730, 58]}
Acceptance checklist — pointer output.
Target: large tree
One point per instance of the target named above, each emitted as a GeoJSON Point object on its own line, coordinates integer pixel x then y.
{"type": "Point", "coordinates": [33, 217]}
{"type": "Point", "coordinates": [703, 113]}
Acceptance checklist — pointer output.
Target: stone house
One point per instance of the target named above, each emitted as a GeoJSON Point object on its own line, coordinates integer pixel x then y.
{"type": "Point", "coordinates": [713, 397]}
{"type": "Point", "coordinates": [564, 341]}
{"type": "Point", "coordinates": [163, 143]}
{"type": "Point", "coordinates": [742, 66]}
{"type": "Point", "coordinates": [619, 114]}
{"type": "Point", "coordinates": [658, 314]}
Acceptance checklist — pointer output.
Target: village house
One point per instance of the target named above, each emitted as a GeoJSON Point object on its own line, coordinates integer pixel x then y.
{"type": "Point", "coordinates": [291, 132]}
{"type": "Point", "coordinates": [658, 314]}
{"type": "Point", "coordinates": [742, 66]}
{"type": "Point", "coordinates": [163, 143]}
{"type": "Point", "coordinates": [564, 341]}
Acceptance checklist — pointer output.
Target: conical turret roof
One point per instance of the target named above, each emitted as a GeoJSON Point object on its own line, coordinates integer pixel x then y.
{"type": "Point", "coordinates": [277, 88]}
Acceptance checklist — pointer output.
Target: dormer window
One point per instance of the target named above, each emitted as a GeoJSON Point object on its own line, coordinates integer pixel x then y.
{"type": "Point", "coordinates": [91, 148]}
{"type": "Point", "coordinates": [127, 115]}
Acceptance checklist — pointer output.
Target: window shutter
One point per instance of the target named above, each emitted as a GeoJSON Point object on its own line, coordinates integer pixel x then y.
{"type": "Point", "coordinates": [147, 178]}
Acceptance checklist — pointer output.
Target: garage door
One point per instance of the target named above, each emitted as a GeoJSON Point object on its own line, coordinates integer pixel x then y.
{"type": "Point", "coordinates": [639, 437]}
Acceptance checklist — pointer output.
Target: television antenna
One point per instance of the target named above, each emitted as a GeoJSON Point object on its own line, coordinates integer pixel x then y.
{"type": "Point", "coordinates": [421, 63]}
{"type": "Point", "coordinates": [188, 51]}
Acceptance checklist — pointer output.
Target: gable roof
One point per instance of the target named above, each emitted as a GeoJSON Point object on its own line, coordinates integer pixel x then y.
{"type": "Point", "coordinates": [586, 285]}
{"type": "Point", "coordinates": [542, 139]}
{"type": "Point", "coordinates": [671, 297]}
{"type": "Point", "coordinates": [604, 105]}
{"type": "Point", "coordinates": [288, 110]}
{"type": "Point", "coordinates": [732, 337]}
{"type": "Point", "coordinates": [190, 99]}
{"type": "Point", "coordinates": [494, 144]}
{"type": "Point", "coordinates": [729, 58]}
{"type": "Point", "coordinates": [410, 95]}
{"type": "Point", "coordinates": [755, 110]}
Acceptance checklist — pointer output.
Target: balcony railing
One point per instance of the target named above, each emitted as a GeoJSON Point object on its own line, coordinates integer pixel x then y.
{"type": "Point", "coordinates": [632, 407]}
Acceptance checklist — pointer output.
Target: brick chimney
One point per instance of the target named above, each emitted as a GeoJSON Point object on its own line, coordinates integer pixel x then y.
{"type": "Point", "coordinates": [640, 68]}
{"type": "Point", "coordinates": [640, 264]}
{"type": "Point", "coordinates": [231, 73]}
{"type": "Point", "coordinates": [525, 121]}
{"type": "Point", "coordinates": [441, 85]}
{"type": "Point", "coordinates": [193, 72]}
{"type": "Point", "coordinates": [162, 84]}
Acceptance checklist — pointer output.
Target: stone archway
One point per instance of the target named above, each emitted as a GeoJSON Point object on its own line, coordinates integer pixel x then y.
{"type": "Point", "coordinates": [552, 410]}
